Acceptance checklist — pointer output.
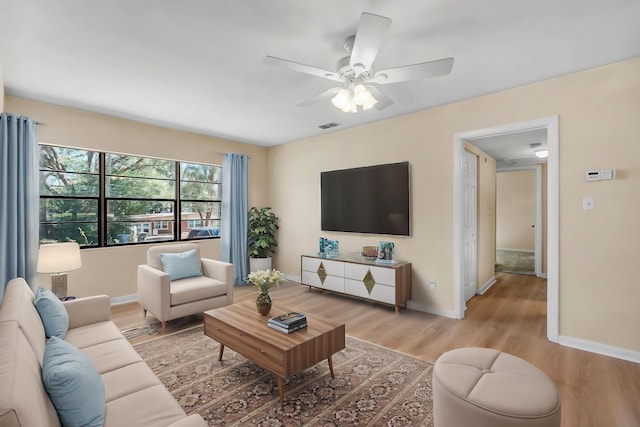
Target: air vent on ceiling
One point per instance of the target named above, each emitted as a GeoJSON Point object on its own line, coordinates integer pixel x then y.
{"type": "Point", "coordinates": [329, 125]}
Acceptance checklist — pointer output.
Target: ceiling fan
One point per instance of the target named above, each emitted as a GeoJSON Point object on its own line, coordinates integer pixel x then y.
{"type": "Point", "coordinates": [356, 72]}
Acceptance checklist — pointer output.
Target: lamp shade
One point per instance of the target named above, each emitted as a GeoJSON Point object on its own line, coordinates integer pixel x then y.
{"type": "Point", "coordinates": [59, 257]}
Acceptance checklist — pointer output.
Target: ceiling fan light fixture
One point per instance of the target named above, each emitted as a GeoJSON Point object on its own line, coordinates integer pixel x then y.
{"type": "Point", "coordinates": [348, 100]}
{"type": "Point", "coordinates": [360, 94]}
{"type": "Point", "coordinates": [351, 108]}
{"type": "Point", "coordinates": [341, 100]}
{"type": "Point", "coordinates": [365, 98]}
{"type": "Point", "coordinates": [542, 153]}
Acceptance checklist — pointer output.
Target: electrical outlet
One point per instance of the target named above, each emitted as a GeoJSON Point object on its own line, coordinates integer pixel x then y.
{"type": "Point", "coordinates": [432, 284]}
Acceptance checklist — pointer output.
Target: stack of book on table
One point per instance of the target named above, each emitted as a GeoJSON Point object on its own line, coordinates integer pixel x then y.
{"type": "Point", "coordinates": [288, 322]}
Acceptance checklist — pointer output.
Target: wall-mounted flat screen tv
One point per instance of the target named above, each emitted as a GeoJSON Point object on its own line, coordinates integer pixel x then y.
{"type": "Point", "coordinates": [371, 199]}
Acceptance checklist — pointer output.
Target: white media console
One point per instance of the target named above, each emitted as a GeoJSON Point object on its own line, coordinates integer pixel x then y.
{"type": "Point", "coordinates": [360, 277]}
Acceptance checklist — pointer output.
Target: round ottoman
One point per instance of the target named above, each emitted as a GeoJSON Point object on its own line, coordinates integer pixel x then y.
{"type": "Point", "coordinates": [482, 387]}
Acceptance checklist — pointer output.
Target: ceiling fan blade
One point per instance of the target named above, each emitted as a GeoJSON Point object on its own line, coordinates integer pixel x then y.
{"type": "Point", "coordinates": [383, 100]}
{"type": "Point", "coordinates": [371, 32]}
{"type": "Point", "coordinates": [423, 70]}
{"type": "Point", "coordinates": [326, 95]}
{"type": "Point", "coordinates": [307, 69]}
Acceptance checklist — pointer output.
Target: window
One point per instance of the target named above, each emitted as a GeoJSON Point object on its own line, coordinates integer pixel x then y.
{"type": "Point", "coordinates": [69, 195]}
{"type": "Point", "coordinates": [138, 189]}
{"type": "Point", "coordinates": [138, 201]}
{"type": "Point", "coordinates": [200, 190]}
{"type": "Point", "coordinates": [162, 225]}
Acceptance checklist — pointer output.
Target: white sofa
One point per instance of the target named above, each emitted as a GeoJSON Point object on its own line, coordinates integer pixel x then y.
{"type": "Point", "coordinates": [134, 395]}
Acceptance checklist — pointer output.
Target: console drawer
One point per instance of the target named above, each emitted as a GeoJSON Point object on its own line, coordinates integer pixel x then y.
{"type": "Point", "coordinates": [379, 292]}
{"type": "Point", "coordinates": [385, 276]}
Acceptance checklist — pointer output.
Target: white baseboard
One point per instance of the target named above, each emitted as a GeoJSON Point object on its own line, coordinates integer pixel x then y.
{"type": "Point", "coordinates": [604, 349]}
{"type": "Point", "coordinates": [293, 278]}
{"type": "Point", "coordinates": [124, 299]}
{"type": "Point", "coordinates": [433, 310]}
{"type": "Point", "coordinates": [487, 286]}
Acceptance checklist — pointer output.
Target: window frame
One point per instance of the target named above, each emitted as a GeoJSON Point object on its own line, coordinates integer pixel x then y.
{"type": "Point", "coordinates": [102, 216]}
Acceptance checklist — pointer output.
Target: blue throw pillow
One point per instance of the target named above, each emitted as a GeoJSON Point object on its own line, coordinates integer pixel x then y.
{"type": "Point", "coordinates": [73, 384]}
{"type": "Point", "coordinates": [53, 315]}
{"type": "Point", "coordinates": [181, 265]}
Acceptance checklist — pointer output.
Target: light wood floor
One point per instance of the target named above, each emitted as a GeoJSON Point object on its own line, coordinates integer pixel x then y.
{"type": "Point", "coordinates": [596, 391]}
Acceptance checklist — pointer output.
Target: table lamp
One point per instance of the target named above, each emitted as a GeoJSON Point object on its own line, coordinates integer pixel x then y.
{"type": "Point", "coordinates": [58, 258]}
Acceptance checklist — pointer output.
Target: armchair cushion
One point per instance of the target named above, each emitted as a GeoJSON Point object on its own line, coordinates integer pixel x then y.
{"type": "Point", "coordinates": [195, 289]}
{"type": "Point", "coordinates": [181, 265]}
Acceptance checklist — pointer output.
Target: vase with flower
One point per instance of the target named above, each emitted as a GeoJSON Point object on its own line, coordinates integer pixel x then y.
{"type": "Point", "coordinates": [264, 280]}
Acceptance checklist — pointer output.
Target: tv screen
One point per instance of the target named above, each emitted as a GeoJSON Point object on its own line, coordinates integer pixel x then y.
{"type": "Point", "coordinates": [372, 199]}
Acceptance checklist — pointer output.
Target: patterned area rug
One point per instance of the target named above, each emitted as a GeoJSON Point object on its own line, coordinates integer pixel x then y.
{"type": "Point", "coordinates": [374, 386]}
{"type": "Point", "coordinates": [140, 331]}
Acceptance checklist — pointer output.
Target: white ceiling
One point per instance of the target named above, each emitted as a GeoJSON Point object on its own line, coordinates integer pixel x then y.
{"type": "Point", "coordinates": [514, 149]}
{"type": "Point", "coordinates": [197, 65]}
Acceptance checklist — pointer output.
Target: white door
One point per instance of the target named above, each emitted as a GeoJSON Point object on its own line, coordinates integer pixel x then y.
{"type": "Point", "coordinates": [470, 228]}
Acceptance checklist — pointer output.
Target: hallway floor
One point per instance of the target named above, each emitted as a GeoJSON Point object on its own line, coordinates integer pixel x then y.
{"type": "Point", "coordinates": [517, 262]}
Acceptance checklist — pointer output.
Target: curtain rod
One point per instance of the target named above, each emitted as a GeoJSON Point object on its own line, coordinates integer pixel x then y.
{"type": "Point", "coordinates": [35, 122]}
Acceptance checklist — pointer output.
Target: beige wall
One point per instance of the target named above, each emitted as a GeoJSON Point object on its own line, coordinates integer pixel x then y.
{"type": "Point", "coordinates": [597, 111]}
{"type": "Point", "coordinates": [516, 210]}
{"type": "Point", "coordinates": [486, 257]}
{"type": "Point", "coordinates": [112, 271]}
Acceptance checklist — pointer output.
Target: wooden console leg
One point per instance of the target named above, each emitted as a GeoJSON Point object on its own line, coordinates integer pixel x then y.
{"type": "Point", "coordinates": [164, 326]}
{"type": "Point", "coordinates": [281, 391]}
{"type": "Point", "coordinates": [331, 366]}
{"type": "Point", "coordinates": [221, 351]}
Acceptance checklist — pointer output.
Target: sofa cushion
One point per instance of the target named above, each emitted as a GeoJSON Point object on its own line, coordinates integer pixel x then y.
{"type": "Point", "coordinates": [73, 384]}
{"type": "Point", "coordinates": [181, 265]}
{"type": "Point", "coordinates": [23, 398]}
{"type": "Point", "coordinates": [52, 313]}
{"type": "Point", "coordinates": [17, 306]}
{"type": "Point", "coordinates": [128, 380]}
{"type": "Point", "coordinates": [96, 333]}
{"type": "Point", "coordinates": [150, 407]}
{"type": "Point", "coordinates": [196, 289]}
{"type": "Point", "coordinates": [111, 355]}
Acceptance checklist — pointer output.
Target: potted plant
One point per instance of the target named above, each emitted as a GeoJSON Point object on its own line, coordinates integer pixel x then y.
{"type": "Point", "coordinates": [261, 238]}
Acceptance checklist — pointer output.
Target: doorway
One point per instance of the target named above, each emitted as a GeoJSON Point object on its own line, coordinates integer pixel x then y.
{"type": "Point", "coordinates": [550, 124]}
{"type": "Point", "coordinates": [519, 220]}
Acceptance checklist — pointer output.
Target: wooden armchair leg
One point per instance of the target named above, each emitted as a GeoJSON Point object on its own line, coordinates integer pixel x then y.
{"type": "Point", "coordinates": [144, 312]}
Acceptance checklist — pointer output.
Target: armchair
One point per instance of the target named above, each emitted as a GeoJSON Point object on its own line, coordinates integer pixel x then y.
{"type": "Point", "coordinates": [167, 300]}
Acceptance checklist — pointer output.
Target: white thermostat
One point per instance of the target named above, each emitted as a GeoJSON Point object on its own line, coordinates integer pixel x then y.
{"type": "Point", "coordinates": [600, 175]}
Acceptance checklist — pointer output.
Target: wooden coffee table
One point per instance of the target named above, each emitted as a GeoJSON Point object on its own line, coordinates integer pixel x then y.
{"type": "Point", "coordinates": [243, 329]}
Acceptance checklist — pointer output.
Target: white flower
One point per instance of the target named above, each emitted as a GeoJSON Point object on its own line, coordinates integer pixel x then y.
{"type": "Point", "coordinates": [264, 279]}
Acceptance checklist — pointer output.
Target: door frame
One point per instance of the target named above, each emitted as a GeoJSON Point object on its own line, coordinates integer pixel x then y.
{"type": "Point", "coordinates": [465, 213]}
{"type": "Point", "coordinates": [537, 239]}
{"type": "Point", "coordinates": [551, 125]}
